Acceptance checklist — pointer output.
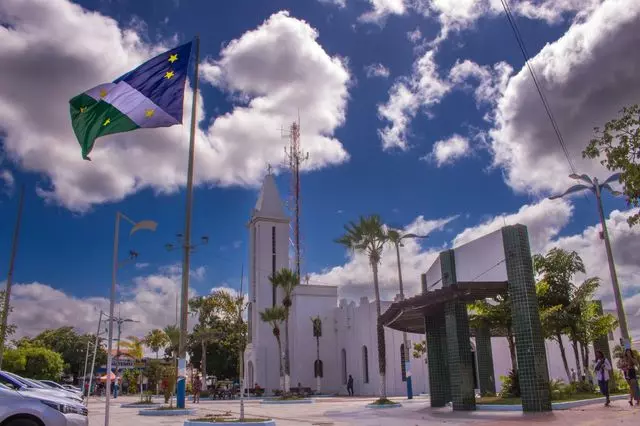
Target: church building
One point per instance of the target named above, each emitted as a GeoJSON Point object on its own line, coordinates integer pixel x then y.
{"type": "Point", "coordinates": [348, 345]}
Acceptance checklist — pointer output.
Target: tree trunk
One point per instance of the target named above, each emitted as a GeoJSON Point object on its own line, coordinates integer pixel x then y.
{"type": "Point", "coordinates": [585, 360]}
{"type": "Point", "coordinates": [512, 350]}
{"type": "Point", "coordinates": [318, 378]}
{"type": "Point", "coordinates": [576, 355]}
{"type": "Point", "coordinates": [281, 364]}
{"type": "Point", "coordinates": [287, 371]}
{"type": "Point", "coordinates": [563, 355]}
{"type": "Point", "coordinates": [382, 361]}
{"type": "Point", "coordinates": [203, 362]}
{"type": "Point", "coordinates": [241, 380]}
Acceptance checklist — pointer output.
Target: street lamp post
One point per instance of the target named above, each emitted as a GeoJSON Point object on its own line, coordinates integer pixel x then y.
{"type": "Point", "coordinates": [144, 224]}
{"type": "Point", "coordinates": [119, 321]}
{"type": "Point", "coordinates": [184, 243]}
{"type": "Point", "coordinates": [95, 351]}
{"type": "Point", "coordinates": [396, 237]}
{"type": "Point", "coordinates": [596, 187]}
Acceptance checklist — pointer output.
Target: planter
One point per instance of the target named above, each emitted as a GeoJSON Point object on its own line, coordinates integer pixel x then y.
{"type": "Point", "coordinates": [380, 406]}
{"type": "Point", "coordinates": [265, 422]}
{"type": "Point", "coordinates": [172, 412]}
{"type": "Point", "coordinates": [286, 401]}
{"type": "Point", "coordinates": [133, 405]}
{"type": "Point", "coordinates": [554, 405]}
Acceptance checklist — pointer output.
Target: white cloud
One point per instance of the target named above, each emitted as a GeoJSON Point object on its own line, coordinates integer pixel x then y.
{"type": "Point", "coordinates": [587, 76]}
{"type": "Point", "coordinates": [449, 150]}
{"type": "Point", "coordinates": [354, 278]}
{"type": "Point", "coordinates": [7, 181]}
{"type": "Point", "coordinates": [544, 221]}
{"type": "Point", "coordinates": [339, 3]}
{"type": "Point", "coordinates": [277, 68]}
{"type": "Point", "coordinates": [424, 88]}
{"type": "Point", "coordinates": [380, 9]}
{"type": "Point", "coordinates": [491, 81]}
{"type": "Point", "coordinates": [376, 70]}
{"type": "Point", "coordinates": [415, 35]}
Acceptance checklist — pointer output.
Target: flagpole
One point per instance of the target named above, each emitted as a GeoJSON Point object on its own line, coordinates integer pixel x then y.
{"type": "Point", "coordinates": [12, 259]}
{"type": "Point", "coordinates": [112, 303]}
{"type": "Point", "coordinates": [184, 313]}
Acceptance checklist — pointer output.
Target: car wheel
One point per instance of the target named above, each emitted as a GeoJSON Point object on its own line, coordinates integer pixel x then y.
{"type": "Point", "coordinates": [22, 422]}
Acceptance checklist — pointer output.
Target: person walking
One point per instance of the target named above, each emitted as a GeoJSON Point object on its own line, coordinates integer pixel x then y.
{"type": "Point", "coordinates": [197, 387]}
{"type": "Point", "coordinates": [350, 385]}
{"type": "Point", "coordinates": [628, 366]}
{"type": "Point", "coordinates": [602, 368]}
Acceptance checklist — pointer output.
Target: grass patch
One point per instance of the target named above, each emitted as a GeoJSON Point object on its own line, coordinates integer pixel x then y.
{"type": "Point", "coordinates": [143, 403]}
{"type": "Point", "coordinates": [168, 408]}
{"type": "Point", "coordinates": [289, 398]}
{"type": "Point", "coordinates": [496, 400]}
{"type": "Point", "coordinates": [383, 401]}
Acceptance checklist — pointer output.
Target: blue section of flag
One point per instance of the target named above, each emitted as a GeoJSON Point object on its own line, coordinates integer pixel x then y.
{"type": "Point", "coordinates": [162, 79]}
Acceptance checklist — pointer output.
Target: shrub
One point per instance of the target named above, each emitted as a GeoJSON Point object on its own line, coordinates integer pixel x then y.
{"type": "Point", "coordinates": [510, 385]}
{"type": "Point", "coordinates": [621, 383]}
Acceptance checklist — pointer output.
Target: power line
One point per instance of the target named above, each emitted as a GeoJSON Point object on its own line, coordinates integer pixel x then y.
{"type": "Point", "coordinates": [545, 103]}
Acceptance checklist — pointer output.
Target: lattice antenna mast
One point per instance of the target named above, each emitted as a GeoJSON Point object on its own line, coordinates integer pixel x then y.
{"type": "Point", "coordinates": [295, 158]}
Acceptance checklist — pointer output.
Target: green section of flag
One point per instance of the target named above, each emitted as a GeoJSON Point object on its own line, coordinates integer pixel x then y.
{"type": "Point", "coordinates": [92, 119]}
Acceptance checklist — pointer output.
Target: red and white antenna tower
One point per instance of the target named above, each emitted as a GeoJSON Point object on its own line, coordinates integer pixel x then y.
{"type": "Point", "coordinates": [295, 157]}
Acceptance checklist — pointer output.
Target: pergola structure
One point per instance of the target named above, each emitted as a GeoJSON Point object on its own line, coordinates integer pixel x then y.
{"type": "Point", "coordinates": [442, 315]}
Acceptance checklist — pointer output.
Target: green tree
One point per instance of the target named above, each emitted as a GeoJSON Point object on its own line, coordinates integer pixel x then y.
{"type": "Point", "coordinates": [35, 362]}
{"type": "Point", "coordinates": [556, 269]}
{"type": "Point", "coordinates": [69, 344]}
{"type": "Point", "coordinates": [173, 337]}
{"type": "Point", "coordinates": [287, 280]}
{"type": "Point", "coordinates": [204, 335]}
{"type": "Point", "coordinates": [619, 143]}
{"type": "Point", "coordinates": [368, 236]}
{"type": "Point", "coordinates": [155, 340]}
{"type": "Point", "coordinates": [135, 347]}
{"type": "Point", "coordinates": [275, 316]}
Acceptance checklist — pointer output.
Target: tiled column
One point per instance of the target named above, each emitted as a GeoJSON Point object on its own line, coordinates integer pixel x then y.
{"type": "Point", "coordinates": [437, 360]}
{"type": "Point", "coordinates": [530, 350]}
{"type": "Point", "coordinates": [484, 352]}
{"type": "Point", "coordinates": [458, 341]}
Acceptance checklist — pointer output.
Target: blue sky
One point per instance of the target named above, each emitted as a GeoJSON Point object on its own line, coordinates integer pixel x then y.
{"type": "Point", "coordinates": [66, 244]}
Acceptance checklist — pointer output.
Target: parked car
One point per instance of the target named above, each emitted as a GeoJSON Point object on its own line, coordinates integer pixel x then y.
{"type": "Point", "coordinates": [32, 409]}
{"type": "Point", "coordinates": [53, 385]}
{"type": "Point", "coordinates": [18, 383]}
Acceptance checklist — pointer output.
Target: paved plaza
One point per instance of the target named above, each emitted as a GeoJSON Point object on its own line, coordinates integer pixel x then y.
{"type": "Point", "coordinates": [351, 411]}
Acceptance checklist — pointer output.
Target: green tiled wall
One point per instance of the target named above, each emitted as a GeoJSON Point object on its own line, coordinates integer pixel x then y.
{"type": "Point", "coordinates": [530, 349]}
{"type": "Point", "coordinates": [484, 353]}
{"type": "Point", "coordinates": [437, 360]}
{"type": "Point", "coordinates": [458, 342]}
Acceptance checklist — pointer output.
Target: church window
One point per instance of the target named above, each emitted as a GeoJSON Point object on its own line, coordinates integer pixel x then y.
{"type": "Point", "coordinates": [249, 320]}
{"type": "Point", "coordinates": [273, 262]}
{"type": "Point", "coordinates": [344, 367]}
{"type": "Point", "coordinates": [403, 366]}
{"type": "Point", "coordinates": [365, 365]}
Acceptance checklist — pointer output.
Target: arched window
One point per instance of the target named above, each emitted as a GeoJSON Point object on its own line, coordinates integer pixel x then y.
{"type": "Point", "coordinates": [365, 365]}
{"type": "Point", "coordinates": [344, 367]}
{"type": "Point", "coordinates": [403, 366]}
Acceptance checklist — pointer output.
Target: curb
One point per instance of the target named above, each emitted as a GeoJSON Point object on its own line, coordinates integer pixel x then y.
{"type": "Point", "coordinates": [132, 405]}
{"type": "Point", "coordinates": [291, 401]}
{"type": "Point", "coordinates": [160, 413]}
{"type": "Point", "coordinates": [194, 423]}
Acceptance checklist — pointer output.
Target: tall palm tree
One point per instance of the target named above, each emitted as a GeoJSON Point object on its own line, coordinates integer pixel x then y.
{"type": "Point", "coordinates": [173, 335]}
{"type": "Point", "coordinates": [156, 339]}
{"type": "Point", "coordinates": [369, 237]}
{"type": "Point", "coordinates": [287, 280]}
{"type": "Point", "coordinates": [135, 347]}
{"type": "Point", "coordinates": [317, 333]}
{"type": "Point", "coordinates": [275, 316]}
{"type": "Point", "coordinates": [204, 335]}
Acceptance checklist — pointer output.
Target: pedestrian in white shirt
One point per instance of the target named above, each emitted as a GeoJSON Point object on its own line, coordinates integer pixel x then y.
{"type": "Point", "coordinates": [602, 368]}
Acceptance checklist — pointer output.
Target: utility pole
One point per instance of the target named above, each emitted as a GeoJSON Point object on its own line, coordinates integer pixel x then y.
{"type": "Point", "coordinates": [7, 295]}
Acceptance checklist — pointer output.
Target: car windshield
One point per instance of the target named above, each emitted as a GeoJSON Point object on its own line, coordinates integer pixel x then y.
{"type": "Point", "coordinates": [51, 384]}
{"type": "Point", "coordinates": [10, 382]}
{"type": "Point", "coordinates": [24, 381]}
{"type": "Point", "coordinates": [35, 384]}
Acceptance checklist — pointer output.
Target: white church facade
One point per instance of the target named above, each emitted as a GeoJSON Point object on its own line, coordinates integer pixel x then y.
{"type": "Point", "coordinates": [348, 345]}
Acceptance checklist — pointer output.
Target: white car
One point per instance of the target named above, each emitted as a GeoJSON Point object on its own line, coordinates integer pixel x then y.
{"type": "Point", "coordinates": [32, 409]}
{"type": "Point", "coordinates": [18, 383]}
{"type": "Point", "coordinates": [56, 386]}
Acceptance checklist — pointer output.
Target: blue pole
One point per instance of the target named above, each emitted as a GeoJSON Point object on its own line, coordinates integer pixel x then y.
{"type": "Point", "coordinates": [181, 392]}
{"type": "Point", "coordinates": [409, 385]}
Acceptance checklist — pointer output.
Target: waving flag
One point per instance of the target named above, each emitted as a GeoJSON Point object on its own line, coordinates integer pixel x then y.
{"type": "Point", "coordinates": [147, 97]}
